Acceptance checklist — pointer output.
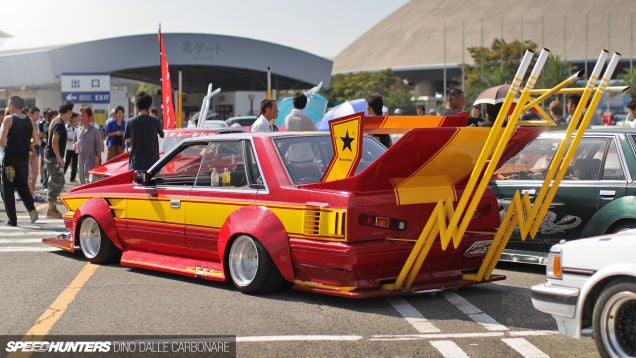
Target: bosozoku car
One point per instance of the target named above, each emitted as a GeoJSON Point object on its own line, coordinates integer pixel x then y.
{"type": "Point", "coordinates": [591, 283]}
{"type": "Point", "coordinates": [332, 213]}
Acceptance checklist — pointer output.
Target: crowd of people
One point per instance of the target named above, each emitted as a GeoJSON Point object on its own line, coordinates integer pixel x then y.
{"type": "Point", "coordinates": [47, 146]}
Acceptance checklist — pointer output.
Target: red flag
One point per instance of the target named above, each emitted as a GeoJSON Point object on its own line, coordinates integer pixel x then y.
{"type": "Point", "coordinates": [166, 88]}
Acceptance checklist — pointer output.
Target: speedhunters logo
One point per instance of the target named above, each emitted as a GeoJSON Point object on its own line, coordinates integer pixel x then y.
{"type": "Point", "coordinates": [58, 347]}
{"type": "Point", "coordinates": [214, 346]}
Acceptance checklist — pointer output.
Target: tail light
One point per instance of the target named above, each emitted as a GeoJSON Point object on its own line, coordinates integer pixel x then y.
{"type": "Point", "coordinates": [382, 222]}
{"type": "Point", "coordinates": [481, 211]}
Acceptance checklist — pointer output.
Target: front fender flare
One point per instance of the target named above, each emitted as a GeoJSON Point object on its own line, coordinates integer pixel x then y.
{"type": "Point", "coordinates": [602, 220]}
{"type": "Point", "coordinates": [262, 224]}
{"type": "Point", "coordinates": [99, 209]}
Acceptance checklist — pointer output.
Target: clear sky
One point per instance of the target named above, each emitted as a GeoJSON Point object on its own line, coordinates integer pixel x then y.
{"type": "Point", "coordinates": [324, 27]}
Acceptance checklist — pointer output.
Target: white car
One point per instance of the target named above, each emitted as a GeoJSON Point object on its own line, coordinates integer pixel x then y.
{"type": "Point", "coordinates": [591, 283]}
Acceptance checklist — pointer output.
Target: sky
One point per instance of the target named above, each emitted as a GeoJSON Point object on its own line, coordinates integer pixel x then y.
{"type": "Point", "coordinates": [323, 28]}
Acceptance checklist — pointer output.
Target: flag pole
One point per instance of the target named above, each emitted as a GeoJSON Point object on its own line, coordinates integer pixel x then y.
{"type": "Point", "coordinates": [179, 119]}
{"type": "Point", "coordinates": [269, 83]}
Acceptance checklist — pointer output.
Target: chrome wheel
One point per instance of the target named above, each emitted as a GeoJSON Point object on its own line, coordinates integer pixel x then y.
{"type": "Point", "coordinates": [615, 321]}
{"type": "Point", "coordinates": [243, 261]}
{"type": "Point", "coordinates": [90, 238]}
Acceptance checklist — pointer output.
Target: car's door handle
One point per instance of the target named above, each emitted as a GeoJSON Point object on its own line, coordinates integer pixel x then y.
{"type": "Point", "coordinates": [607, 193]}
{"type": "Point", "coordinates": [175, 204]}
{"type": "Point", "coordinates": [529, 191]}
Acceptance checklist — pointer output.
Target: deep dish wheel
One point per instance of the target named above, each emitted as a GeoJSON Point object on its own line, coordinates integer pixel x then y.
{"type": "Point", "coordinates": [251, 268]}
{"type": "Point", "coordinates": [615, 321]}
{"type": "Point", "coordinates": [95, 245]}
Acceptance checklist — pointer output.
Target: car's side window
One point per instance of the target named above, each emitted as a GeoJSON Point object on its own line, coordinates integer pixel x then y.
{"type": "Point", "coordinates": [586, 164]}
{"type": "Point", "coordinates": [222, 166]}
{"type": "Point", "coordinates": [182, 168]}
{"type": "Point", "coordinates": [531, 163]}
{"type": "Point", "coordinates": [255, 178]}
{"type": "Point", "coordinates": [613, 169]}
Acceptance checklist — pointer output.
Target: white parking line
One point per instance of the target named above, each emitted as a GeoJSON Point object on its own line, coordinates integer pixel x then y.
{"type": "Point", "coordinates": [473, 312]}
{"type": "Point", "coordinates": [407, 337]}
{"type": "Point", "coordinates": [525, 348]}
{"type": "Point", "coordinates": [20, 241]}
{"type": "Point", "coordinates": [27, 248]}
{"type": "Point", "coordinates": [30, 234]}
{"type": "Point", "coordinates": [412, 316]}
{"type": "Point", "coordinates": [449, 349]}
{"type": "Point", "coordinates": [297, 338]}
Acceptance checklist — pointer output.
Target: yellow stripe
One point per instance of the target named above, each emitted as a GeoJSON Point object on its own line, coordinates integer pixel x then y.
{"type": "Point", "coordinates": [462, 149]}
{"type": "Point", "coordinates": [325, 287]}
{"type": "Point", "coordinates": [197, 212]}
{"type": "Point", "coordinates": [54, 312]}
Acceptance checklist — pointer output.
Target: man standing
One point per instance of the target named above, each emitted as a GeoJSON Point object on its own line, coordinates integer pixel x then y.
{"type": "Point", "coordinates": [374, 108]}
{"type": "Point", "coordinates": [573, 102]}
{"type": "Point", "coordinates": [18, 137]}
{"type": "Point", "coordinates": [54, 157]}
{"type": "Point", "coordinates": [43, 133]}
{"type": "Point", "coordinates": [141, 132]}
{"type": "Point", "coordinates": [297, 119]}
{"type": "Point", "coordinates": [90, 144]}
{"type": "Point", "coordinates": [455, 103]}
{"type": "Point", "coordinates": [34, 157]}
{"type": "Point", "coordinates": [269, 112]}
{"type": "Point", "coordinates": [70, 158]}
{"type": "Point", "coordinates": [115, 129]}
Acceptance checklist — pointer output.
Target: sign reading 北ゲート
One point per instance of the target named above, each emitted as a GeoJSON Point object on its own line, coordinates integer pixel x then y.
{"type": "Point", "coordinates": [86, 88]}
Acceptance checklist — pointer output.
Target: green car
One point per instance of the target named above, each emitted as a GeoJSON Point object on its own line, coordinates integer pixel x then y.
{"type": "Point", "coordinates": [597, 195]}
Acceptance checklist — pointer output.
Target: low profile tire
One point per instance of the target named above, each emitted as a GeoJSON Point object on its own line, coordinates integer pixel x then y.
{"type": "Point", "coordinates": [96, 246]}
{"type": "Point", "coordinates": [251, 268]}
{"type": "Point", "coordinates": [615, 320]}
{"type": "Point", "coordinates": [627, 225]}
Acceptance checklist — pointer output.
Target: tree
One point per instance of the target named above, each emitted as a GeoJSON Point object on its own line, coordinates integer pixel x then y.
{"type": "Point", "coordinates": [629, 78]}
{"type": "Point", "coordinates": [499, 63]}
{"type": "Point", "coordinates": [394, 91]}
{"type": "Point", "coordinates": [493, 66]}
{"type": "Point", "coordinates": [149, 88]}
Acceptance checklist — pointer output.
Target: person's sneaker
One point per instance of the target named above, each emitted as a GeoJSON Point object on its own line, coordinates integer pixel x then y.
{"type": "Point", "coordinates": [8, 223]}
{"type": "Point", "coordinates": [34, 216]}
{"type": "Point", "coordinates": [38, 199]}
{"type": "Point", "coordinates": [53, 213]}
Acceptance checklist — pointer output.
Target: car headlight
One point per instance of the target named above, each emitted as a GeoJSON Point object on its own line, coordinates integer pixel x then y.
{"type": "Point", "coordinates": [553, 266]}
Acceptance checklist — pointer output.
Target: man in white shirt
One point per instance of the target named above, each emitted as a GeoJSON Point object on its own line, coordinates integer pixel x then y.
{"type": "Point", "coordinates": [269, 112]}
{"type": "Point", "coordinates": [297, 119]}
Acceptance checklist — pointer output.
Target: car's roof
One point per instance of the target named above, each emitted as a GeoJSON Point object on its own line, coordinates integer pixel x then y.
{"type": "Point", "coordinates": [260, 135]}
{"type": "Point", "coordinates": [604, 130]}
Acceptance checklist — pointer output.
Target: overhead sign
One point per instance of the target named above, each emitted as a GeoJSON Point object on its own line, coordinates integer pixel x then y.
{"type": "Point", "coordinates": [87, 88]}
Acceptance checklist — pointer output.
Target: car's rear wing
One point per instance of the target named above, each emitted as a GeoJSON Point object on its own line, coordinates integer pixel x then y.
{"type": "Point", "coordinates": [451, 216]}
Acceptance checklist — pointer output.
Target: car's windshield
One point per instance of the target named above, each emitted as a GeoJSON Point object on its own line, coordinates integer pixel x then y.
{"type": "Point", "coordinates": [307, 157]}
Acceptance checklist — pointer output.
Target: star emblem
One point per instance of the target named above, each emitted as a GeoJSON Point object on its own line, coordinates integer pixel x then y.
{"type": "Point", "coordinates": [346, 142]}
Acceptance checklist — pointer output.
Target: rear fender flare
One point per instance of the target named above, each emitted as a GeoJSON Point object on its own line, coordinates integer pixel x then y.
{"type": "Point", "coordinates": [262, 224]}
{"type": "Point", "coordinates": [621, 208]}
{"type": "Point", "coordinates": [99, 209]}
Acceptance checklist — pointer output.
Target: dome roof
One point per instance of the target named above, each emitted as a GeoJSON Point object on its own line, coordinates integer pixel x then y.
{"type": "Point", "coordinates": [426, 34]}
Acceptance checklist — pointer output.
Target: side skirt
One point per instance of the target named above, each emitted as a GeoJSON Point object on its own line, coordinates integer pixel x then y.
{"type": "Point", "coordinates": [184, 266]}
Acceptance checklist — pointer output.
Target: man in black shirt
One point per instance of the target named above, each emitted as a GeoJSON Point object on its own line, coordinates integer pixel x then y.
{"type": "Point", "coordinates": [141, 133]}
{"type": "Point", "coordinates": [54, 157]}
{"type": "Point", "coordinates": [18, 137]}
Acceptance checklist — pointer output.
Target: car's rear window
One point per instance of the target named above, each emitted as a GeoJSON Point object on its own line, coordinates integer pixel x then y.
{"type": "Point", "coordinates": [307, 157]}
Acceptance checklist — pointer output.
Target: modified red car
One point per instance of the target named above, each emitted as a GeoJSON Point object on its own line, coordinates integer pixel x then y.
{"type": "Point", "coordinates": [172, 137]}
{"type": "Point", "coordinates": [266, 210]}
